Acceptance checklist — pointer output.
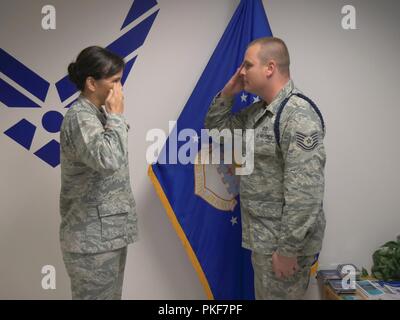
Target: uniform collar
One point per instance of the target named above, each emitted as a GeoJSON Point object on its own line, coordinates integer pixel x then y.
{"type": "Point", "coordinates": [283, 94]}
{"type": "Point", "coordinates": [90, 104]}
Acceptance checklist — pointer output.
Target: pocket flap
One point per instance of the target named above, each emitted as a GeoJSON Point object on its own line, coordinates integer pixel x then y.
{"type": "Point", "coordinates": [265, 209]}
{"type": "Point", "coordinates": [110, 209]}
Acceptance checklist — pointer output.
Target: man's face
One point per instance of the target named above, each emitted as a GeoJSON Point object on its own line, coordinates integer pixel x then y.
{"type": "Point", "coordinates": [103, 86]}
{"type": "Point", "coordinates": [253, 71]}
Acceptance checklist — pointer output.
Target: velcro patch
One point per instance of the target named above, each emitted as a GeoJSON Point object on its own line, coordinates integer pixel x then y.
{"type": "Point", "coordinates": [307, 142]}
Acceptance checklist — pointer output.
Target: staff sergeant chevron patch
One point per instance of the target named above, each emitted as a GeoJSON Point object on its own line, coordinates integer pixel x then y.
{"type": "Point", "coordinates": [307, 142]}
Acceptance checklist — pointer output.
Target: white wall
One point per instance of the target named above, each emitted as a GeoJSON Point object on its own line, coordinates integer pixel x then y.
{"type": "Point", "coordinates": [351, 74]}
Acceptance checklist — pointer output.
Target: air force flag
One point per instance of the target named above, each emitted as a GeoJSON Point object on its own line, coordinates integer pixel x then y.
{"type": "Point", "coordinates": [202, 200]}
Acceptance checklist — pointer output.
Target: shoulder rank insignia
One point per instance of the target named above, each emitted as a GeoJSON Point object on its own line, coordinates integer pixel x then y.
{"type": "Point", "coordinates": [307, 142]}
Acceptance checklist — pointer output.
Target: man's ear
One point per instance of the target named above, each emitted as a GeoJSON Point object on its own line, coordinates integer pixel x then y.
{"type": "Point", "coordinates": [270, 68]}
{"type": "Point", "coordinates": [90, 84]}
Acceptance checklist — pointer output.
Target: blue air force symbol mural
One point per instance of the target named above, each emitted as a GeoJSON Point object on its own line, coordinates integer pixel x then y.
{"type": "Point", "coordinates": [23, 132]}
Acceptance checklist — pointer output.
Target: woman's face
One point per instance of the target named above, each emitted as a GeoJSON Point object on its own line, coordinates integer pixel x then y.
{"type": "Point", "coordinates": [102, 86]}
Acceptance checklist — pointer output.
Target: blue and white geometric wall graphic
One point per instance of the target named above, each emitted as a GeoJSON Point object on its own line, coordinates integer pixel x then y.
{"type": "Point", "coordinates": [23, 132]}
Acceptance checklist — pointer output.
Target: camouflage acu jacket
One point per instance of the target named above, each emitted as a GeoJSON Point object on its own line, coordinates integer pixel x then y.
{"type": "Point", "coordinates": [96, 202]}
{"type": "Point", "coordinates": [281, 200]}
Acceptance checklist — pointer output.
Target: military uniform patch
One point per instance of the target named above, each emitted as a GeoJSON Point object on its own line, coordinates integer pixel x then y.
{"type": "Point", "coordinates": [307, 142]}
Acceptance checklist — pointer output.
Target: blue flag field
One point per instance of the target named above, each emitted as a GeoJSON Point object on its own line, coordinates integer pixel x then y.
{"type": "Point", "coordinates": [202, 201]}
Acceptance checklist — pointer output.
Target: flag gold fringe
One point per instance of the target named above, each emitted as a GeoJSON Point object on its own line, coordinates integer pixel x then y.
{"type": "Point", "coordinates": [181, 234]}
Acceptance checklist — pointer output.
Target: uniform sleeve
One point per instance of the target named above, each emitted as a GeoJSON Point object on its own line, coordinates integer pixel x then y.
{"type": "Point", "coordinates": [304, 161]}
{"type": "Point", "coordinates": [100, 147]}
{"type": "Point", "coordinates": [220, 115]}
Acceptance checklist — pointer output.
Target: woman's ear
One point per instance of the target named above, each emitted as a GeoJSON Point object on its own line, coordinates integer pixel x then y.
{"type": "Point", "coordinates": [90, 84]}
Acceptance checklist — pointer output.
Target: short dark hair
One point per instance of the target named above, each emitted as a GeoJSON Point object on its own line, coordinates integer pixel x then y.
{"type": "Point", "coordinates": [274, 48]}
{"type": "Point", "coordinates": [95, 62]}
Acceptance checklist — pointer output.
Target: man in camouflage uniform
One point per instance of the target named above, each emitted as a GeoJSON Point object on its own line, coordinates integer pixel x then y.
{"type": "Point", "coordinates": [98, 217]}
{"type": "Point", "coordinates": [283, 220]}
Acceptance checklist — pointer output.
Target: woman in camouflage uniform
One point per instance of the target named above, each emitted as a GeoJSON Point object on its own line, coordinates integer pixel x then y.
{"type": "Point", "coordinates": [98, 217]}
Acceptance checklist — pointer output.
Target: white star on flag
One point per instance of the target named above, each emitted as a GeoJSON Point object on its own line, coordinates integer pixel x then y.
{"type": "Point", "coordinates": [256, 99]}
{"type": "Point", "coordinates": [234, 220]}
{"type": "Point", "coordinates": [243, 97]}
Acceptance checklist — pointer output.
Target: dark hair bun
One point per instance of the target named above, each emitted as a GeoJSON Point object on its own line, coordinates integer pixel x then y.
{"type": "Point", "coordinates": [72, 74]}
{"type": "Point", "coordinates": [95, 62]}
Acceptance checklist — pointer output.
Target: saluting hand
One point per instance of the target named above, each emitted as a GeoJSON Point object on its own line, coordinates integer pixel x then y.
{"type": "Point", "coordinates": [234, 85]}
{"type": "Point", "coordinates": [115, 100]}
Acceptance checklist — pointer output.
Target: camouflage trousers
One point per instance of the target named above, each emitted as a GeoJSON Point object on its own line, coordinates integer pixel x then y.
{"type": "Point", "coordinates": [268, 287]}
{"type": "Point", "coordinates": [97, 276]}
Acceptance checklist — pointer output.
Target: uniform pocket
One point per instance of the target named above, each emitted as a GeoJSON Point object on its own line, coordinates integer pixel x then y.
{"type": "Point", "coordinates": [266, 209]}
{"type": "Point", "coordinates": [265, 140]}
{"type": "Point", "coordinates": [264, 220]}
{"type": "Point", "coordinates": [114, 220]}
